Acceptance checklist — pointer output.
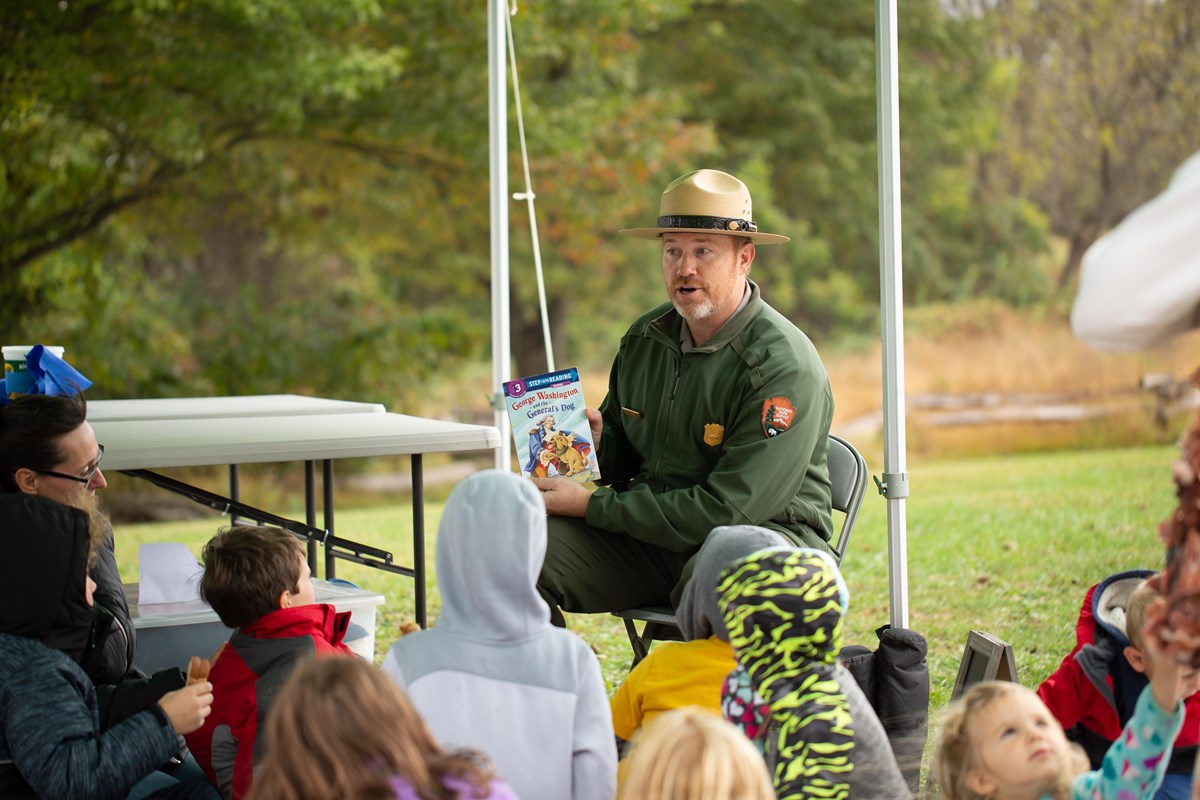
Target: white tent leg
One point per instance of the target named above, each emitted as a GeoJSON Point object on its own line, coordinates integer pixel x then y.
{"type": "Point", "coordinates": [891, 269]}
{"type": "Point", "coordinates": [498, 181]}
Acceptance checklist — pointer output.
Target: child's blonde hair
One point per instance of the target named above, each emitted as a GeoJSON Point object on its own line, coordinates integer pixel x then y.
{"type": "Point", "coordinates": [1135, 612]}
{"type": "Point", "coordinates": [957, 755]}
{"type": "Point", "coordinates": [692, 754]}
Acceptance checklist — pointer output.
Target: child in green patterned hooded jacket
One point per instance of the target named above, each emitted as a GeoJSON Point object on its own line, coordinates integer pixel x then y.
{"type": "Point", "coordinates": [783, 608]}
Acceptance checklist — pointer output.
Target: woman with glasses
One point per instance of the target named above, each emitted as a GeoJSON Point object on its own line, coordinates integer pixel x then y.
{"type": "Point", "coordinates": [47, 448]}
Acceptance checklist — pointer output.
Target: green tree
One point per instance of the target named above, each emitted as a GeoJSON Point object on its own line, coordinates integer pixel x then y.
{"type": "Point", "coordinates": [234, 196]}
{"type": "Point", "coordinates": [261, 195]}
{"type": "Point", "coordinates": [107, 104]}
{"type": "Point", "coordinates": [1105, 105]}
{"type": "Point", "coordinates": [602, 136]}
{"type": "Point", "coordinates": [128, 132]}
{"type": "Point", "coordinates": [792, 97]}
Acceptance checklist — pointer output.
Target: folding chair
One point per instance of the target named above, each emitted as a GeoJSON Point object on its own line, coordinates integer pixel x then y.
{"type": "Point", "coordinates": [848, 483]}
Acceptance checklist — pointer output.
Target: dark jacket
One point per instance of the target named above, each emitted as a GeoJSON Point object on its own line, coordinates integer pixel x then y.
{"type": "Point", "coordinates": [51, 742]}
{"type": "Point", "coordinates": [109, 658]}
{"type": "Point", "coordinates": [122, 689]}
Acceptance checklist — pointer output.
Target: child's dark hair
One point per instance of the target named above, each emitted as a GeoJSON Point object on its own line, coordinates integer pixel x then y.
{"type": "Point", "coordinates": [246, 568]}
{"type": "Point", "coordinates": [30, 429]}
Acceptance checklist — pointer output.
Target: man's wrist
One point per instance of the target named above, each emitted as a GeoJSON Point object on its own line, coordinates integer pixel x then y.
{"type": "Point", "coordinates": [591, 506]}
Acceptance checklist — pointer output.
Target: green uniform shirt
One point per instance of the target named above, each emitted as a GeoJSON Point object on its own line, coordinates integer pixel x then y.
{"type": "Point", "coordinates": [733, 432]}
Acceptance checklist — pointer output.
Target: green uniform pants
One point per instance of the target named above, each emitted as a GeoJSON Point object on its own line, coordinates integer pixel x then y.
{"type": "Point", "coordinates": [591, 571]}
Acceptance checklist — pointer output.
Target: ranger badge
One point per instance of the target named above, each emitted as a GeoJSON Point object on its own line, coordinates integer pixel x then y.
{"type": "Point", "coordinates": [714, 434]}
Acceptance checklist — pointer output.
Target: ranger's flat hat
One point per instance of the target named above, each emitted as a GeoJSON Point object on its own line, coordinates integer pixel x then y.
{"type": "Point", "coordinates": [706, 201]}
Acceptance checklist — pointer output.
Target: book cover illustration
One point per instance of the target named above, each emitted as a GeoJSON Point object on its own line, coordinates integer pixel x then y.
{"type": "Point", "coordinates": [550, 427]}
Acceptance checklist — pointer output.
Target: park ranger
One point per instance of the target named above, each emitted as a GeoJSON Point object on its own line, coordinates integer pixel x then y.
{"type": "Point", "coordinates": [718, 413]}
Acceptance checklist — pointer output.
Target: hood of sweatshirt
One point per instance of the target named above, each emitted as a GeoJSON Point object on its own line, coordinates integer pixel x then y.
{"type": "Point", "coordinates": [490, 549]}
{"type": "Point", "coordinates": [1110, 600]}
{"type": "Point", "coordinates": [784, 609]}
{"type": "Point", "coordinates": [1102, 659]}
{"type": "Point", "coordinates": [698, 614]}
{"type": "Point", "coordinates": [42, 573]}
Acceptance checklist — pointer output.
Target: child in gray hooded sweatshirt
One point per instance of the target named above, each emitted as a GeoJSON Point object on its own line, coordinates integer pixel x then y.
{"type": "Point", "coordinates": [494, 674]}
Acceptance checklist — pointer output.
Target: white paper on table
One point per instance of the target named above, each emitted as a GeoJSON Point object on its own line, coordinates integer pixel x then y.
{"type": "Point", "coordinates": [169, 574]}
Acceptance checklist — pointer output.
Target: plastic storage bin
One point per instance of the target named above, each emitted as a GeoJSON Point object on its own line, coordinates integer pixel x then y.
{"type": "Point", "coordinates": [168, 634]}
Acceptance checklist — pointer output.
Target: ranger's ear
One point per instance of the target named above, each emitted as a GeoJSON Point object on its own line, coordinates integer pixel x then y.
{"type": "Point", "coordinates": [745, 256]}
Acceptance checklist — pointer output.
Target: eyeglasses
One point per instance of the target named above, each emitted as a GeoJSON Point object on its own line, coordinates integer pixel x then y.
{"type": "Point", "coordinates": [85, 478]}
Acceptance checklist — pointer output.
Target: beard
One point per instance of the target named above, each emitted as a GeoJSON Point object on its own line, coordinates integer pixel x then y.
{"type": "Point", "coordinates": [695, 312]}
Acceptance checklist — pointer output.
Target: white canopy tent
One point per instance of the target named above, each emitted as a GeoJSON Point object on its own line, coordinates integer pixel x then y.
{"type": "Point", "coordinates": [894, 480]}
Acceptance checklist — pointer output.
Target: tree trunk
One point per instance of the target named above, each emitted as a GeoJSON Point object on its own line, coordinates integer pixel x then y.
{"type": "Point", "coordinates": [1079, 245]}
{"type": "Point", "coordinates": [528, 343]}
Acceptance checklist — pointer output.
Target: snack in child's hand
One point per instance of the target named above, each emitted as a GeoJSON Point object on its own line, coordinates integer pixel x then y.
{"type": "Point", "coordinates": [197, 670]}
{"type": "Point", "coordinates": [409, 626]}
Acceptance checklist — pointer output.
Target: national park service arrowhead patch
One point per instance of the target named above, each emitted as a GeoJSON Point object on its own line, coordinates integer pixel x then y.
{"type": "Point", "coordinates": [778, 414]}
{"type": "Point", "coordinates": [714, 434]}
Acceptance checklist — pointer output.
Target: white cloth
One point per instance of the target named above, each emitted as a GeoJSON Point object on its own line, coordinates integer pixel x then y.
{"type": "Point", "coordinates": [1139, 285]}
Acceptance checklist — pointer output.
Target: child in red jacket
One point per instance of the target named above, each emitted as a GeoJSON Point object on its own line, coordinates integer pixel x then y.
{"type": "Point", "coordinates": [259, 583]}
{"type": "Point", "coordinates": [1093, 692]}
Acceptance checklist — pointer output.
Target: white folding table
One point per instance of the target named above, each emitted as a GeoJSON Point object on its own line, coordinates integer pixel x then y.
{"type": "Point", "coordinates": [224, 437]}
{"type": "Point", "coordinates": [266, 405]}
{"type": "Point", "coordinates": [260, 405]}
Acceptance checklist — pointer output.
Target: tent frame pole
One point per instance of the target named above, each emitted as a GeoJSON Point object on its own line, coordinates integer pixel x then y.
{"type": "Point", "coordinates": [894, 484]}
{"type": "Point", "coordinates": [498, 182]}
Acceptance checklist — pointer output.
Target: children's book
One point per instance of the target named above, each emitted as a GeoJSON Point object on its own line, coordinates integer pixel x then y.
{"type": "Point", "coordinates": [550, 427]}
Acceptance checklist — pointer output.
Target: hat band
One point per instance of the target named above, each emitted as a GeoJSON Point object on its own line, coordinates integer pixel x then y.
{"type": "Point", "coordinates": [729, 224]}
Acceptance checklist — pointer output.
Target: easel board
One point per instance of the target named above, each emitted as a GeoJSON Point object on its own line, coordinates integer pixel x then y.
{"type": "Point", "coordinates": [985, 658]}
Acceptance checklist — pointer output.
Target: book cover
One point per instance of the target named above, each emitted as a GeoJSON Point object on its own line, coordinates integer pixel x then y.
{"type": "Point", "coordinates": [549, 426]}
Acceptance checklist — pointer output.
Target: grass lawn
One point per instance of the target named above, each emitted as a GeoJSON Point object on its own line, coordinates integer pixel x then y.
{"type": "Point", "coordinates": [1007, 545]}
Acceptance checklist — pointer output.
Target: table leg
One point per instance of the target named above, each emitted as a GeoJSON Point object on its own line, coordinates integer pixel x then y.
{"type": "Point", "coordinates": [233, 491]}
{"type": "Point", "coordinates": [310, 512]}
{"type": "Point", "coordinates": [418, 494]}
{"type": "Point", "coordinates": [327, 487]}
